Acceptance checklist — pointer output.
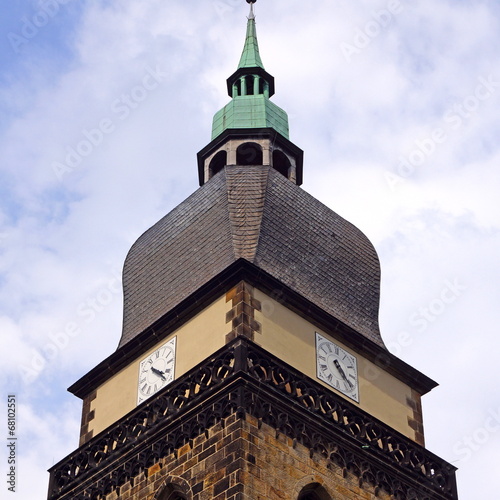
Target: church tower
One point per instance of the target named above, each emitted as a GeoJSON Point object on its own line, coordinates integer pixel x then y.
{"type": "Point", "coordinates": [251, 365]}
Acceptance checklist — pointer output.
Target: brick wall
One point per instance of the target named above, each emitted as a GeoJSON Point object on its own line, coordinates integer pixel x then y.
{"type": "Point", "coordinates": [240, 461]}
{"type": "Point", "coordinates": [417, 422]}
{"type": "Point", "coordinates": [87, 416]}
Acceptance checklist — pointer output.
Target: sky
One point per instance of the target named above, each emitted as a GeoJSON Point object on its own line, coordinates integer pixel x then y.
{"type": "Point", "coordinates": [104, 105]}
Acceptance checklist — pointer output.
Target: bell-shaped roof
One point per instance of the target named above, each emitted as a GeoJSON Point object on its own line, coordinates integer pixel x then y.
{"type": "Point", "coordinates": [253, 213]}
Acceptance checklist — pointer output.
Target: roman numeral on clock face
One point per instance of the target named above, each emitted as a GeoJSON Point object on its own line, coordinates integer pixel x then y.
{"type": "Point", "coordinates": [156, 370]}
{"type": "Point", "coordinates": [336, 367]}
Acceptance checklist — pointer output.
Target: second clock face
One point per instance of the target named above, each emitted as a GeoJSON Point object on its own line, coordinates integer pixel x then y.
{"type": "Point", "coordinates": [156, 370]}
{"type": "Point", "coordinates": [337, 367]}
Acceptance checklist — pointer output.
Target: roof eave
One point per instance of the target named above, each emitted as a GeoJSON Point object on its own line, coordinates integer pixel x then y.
{"type": "Point", "coordinates": [240, 270]}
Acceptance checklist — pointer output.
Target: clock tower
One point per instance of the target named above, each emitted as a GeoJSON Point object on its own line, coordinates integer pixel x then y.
{"type": "Point", "coordinates": [251, 364]}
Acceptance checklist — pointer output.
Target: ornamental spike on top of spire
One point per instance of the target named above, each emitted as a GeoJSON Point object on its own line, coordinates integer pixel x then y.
{"type": "Point", "coordinates": [250, 57]}
{"type": "Point", "coordinates": [251, 15]}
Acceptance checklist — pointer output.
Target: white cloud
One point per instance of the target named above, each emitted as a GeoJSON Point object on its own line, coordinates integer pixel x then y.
{"type": "Point", "coordinates": [43, 437]}
{"type": "Point", "coordinates": [63, 241]}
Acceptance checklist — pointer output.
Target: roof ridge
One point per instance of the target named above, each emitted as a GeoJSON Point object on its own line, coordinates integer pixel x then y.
{"type": "Point", "coordinates": [246, 189]}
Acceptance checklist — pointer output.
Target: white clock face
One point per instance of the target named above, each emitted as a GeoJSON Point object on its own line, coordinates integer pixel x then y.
{"type": "Point", "coordinates": [337, 367]}
{"type": "Point", "coordinates": [156, 370]}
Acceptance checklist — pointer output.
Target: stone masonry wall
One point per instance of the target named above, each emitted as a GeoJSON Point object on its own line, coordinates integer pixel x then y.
{"type": "Point", "coordinates": [240, 461]}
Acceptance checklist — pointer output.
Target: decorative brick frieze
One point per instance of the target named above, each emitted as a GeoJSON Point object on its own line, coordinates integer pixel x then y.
{"type": "Point", "coordinates": [194, 429]}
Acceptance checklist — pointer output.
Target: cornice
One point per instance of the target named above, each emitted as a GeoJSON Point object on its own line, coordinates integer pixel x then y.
{"type": "Point", "coordinates": [242, 270]}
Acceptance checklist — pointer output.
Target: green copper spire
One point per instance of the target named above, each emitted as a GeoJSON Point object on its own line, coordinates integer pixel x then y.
{"type": "Point", "coordinates": [250, 58]}
{"type": "Point", "coordinates": [250, 87]}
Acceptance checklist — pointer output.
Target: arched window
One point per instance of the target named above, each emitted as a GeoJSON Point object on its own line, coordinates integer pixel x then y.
{"type": "Point", "coordinates": [250, 84]}
{"type": "Point", "coordinates": [249, 81]}
{"type": "Point", "coordinates": [175, 496]}
{"type": "Point", "coordinates": [281, 162]}
{"type": "Point", "coordinates": [174, 491]}
{"type": "Point", "coordinates": [262, 85]}
{"type": "Point", "coordinates": [171, 493]}
{"type": "Point", "coordinates": [218, 162]}
{"type": "Point", "coordinates": [314, 491]}
{"type": "Point", "coordinates": [249, 153]}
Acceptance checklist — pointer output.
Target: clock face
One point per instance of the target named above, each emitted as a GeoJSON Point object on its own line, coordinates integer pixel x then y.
{"type": "Point", "coordinates": [337, 367]}
{"type": "Point", "coordinates": [156, 370]}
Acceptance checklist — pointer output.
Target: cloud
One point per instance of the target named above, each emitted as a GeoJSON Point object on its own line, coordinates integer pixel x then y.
{"type": "Point", "coordinates": [63, 239]}
{"type": "Point", "coordinates": [44, 436]}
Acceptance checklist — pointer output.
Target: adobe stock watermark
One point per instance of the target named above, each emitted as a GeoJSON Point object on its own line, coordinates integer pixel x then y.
{"type": "Point", "coordinates": [420, 320]}
{"type": "Point", "coordinates": [427, 314]}
{"type": "Point", "coordinates": [86, 312]}
{"type": "Point", "coordinates": [380, 21]}
{"type": "Point", "coordinates": [31, 26]}
{"type": "Point", "coordinates": [268, 307]}
{"type": "Point", "coordinates": [465, 447]}
{"type": "Point", "coordinates": [120, 109]}
{"type": "Point", "coordinates": [452, 120]}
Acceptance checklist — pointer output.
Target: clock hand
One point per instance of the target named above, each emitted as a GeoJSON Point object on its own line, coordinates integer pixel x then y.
{"type": "Point", "coordinates": [158, 372]}
{"type": "Point", "coordinates": [342, 374]}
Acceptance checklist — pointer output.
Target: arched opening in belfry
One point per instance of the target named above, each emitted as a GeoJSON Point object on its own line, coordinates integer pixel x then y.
{"type": "Point", "coordinates": [238, 87]}
{"type": "Point", "coordinates": [262, 85]}
{"type": "Point", "coordinates": [281, 162]}
{"type": "Point", "coordinates": [218, 162]}
{"type": "Point", "coordinates": [314, 491]}
{"type": "Point", "coordinates": [249, 153]}
{"type": "Point", "coordinates": [249, 81]}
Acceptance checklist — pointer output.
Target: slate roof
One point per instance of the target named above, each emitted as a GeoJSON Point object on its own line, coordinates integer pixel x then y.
{"type": "Point", "coordinates": [254, 213]}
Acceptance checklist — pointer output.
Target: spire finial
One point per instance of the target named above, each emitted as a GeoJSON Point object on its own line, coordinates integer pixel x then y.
{"type": "Point", "coordinates": [250, 57]}
{"type": "Point", "coordinates": [251, 15]}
